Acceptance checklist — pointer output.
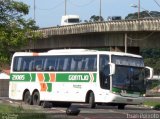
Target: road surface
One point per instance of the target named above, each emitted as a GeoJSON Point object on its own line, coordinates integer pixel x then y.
{"type": "Point", "coordinates": [100, 112]}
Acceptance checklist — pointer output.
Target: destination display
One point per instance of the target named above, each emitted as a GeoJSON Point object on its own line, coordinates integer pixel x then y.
{"type": "Point", "coordinates": [129, 61]}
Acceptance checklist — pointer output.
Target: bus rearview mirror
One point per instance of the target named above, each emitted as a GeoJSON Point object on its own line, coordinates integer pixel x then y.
{"type": "Point", "coordinates": [112, 68]}
{"type": "Point", "coordinates": [148, 72]}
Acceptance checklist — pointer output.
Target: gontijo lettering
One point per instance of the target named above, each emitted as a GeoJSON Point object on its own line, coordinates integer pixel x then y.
{"type": "Point", "coordinates": [78, 77]}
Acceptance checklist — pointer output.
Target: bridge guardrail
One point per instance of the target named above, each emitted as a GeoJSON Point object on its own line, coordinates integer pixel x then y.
{"type": "Point", "coordinates": [108, 26]}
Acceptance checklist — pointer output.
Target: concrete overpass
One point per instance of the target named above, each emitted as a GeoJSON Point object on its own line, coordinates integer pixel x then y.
{"type": "Point", "coordinates": [135, 34]}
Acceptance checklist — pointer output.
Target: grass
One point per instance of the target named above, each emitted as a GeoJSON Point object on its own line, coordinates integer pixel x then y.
{"type": "Point", "coordinates": [4, 108]}
{"type": "Point", "coordinates": [154, 104]}
{"type": "Point", "coordinates": [19, 112]}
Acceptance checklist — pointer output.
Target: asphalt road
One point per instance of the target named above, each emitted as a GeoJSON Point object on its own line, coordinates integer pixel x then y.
{"type": "Point", "coordinates": [100, 112]}
{"type": "Point", "coordinates": [110, 112]}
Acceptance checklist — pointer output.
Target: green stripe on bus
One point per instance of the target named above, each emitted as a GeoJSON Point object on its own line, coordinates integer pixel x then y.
{"type": "Point", "coordinates": [76, 77]}
{"type": "Point", "coordinates": [60, 77]}
{"type": "Point", "coordinates": [20, 77]}
{"type": "Point", "coordinates": [49, 85]}
{"type": "Point", "coordinates": [47, 77]}
{"type": "Point", "coordinates": [23, 77]}
{"type": "Point", "coordinates": [33, 77]}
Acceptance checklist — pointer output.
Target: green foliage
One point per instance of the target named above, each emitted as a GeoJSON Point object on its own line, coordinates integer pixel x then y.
{"type": "Point", "coordinates": [143, 14]}
{"type": "Point", "coordinates": [157, 107]}
{"type": "Point", "coordinates": [15, 31]}
{"type": "Point", "coordinates": [152, 59]}
{"type": "Point", "coordinates": [95, 18]}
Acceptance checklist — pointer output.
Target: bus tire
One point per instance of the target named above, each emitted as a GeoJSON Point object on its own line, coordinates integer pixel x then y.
{"type": "Point", "coordinates": [27, 97]}
{"type": "Point", "coordinates": [30, 100]}
{"type": "Point", "coordinates": [91, 102]}
{"type": "Point", "coordinates": [36, 98]}
{"type": "Point", "coordinates": [121, 106]}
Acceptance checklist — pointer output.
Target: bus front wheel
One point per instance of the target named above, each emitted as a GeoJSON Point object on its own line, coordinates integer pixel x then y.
{"type": "Point", "coordinates": [36, 98]}
{"type": "Point", "coordinates": [92, 100]}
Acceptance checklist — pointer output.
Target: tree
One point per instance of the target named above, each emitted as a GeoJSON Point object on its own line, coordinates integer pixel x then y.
{"type": "Point", "coordinates": [95, 18]}
{"type": "Point", "coordinates": [143, 15]}
{"type": "Point", "coordinates": [14, 29]}
{"type": "Point", "coordinates": [152, 59]}
{"type": "Point", "coordinates": [151, 56]}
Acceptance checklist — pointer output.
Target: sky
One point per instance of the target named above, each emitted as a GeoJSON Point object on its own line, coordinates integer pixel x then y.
{"type": "Point", "coordinates": [48, 13]}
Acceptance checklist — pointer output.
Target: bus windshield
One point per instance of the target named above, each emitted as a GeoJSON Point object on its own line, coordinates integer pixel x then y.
{"type": "Point", "coordinates": [129, 78]}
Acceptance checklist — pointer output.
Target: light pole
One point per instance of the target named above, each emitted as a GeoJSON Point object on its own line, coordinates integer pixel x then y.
{"type": "Point", "coordinates": [125, 42]}
{"type": "Point", "coordinates": [34, 10]}
{"type": "Point", "coordinates": [65, 7]}
{"type": "Point", "coordinates": [135, 6]}
{"type": "Point", "coordinates": [100, 11]}
{"type": "Point", "coordinates": [139, 9]}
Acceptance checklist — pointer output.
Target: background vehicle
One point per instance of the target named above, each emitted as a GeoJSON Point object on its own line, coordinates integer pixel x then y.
{"type": "Point", "coordinates": [78, 75]}
{"type": "Point", "coordinates": [111, 18]}
{"type": "Point", "coordinates": [70, 20]}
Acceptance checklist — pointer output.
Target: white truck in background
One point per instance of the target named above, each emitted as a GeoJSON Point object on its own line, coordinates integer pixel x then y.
{"type": "Point", "coordinates": [70, 20]}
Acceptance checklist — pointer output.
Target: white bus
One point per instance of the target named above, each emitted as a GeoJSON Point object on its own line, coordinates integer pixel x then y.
{"type": "Point", "coordinates": [78, 75]}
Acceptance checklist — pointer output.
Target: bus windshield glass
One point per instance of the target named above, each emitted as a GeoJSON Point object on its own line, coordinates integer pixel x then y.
{"type": "Point", "coordinates": [129, 74]}
{"type": "Point", "coordinates": [129, 78]}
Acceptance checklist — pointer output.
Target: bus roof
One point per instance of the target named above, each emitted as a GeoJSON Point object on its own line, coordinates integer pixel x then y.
{"type": "Point", "coordinates": [75, 52]}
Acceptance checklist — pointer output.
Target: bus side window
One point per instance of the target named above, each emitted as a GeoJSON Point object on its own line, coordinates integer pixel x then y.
{"type": "Point", "coordinates": [60, 63]}
{"type": "Point", "coordinates": [79, 67]}
{"type": "Point", "coordinates": [20, 64]}
{"type": "Point", "coordinates": [86, 64]}
{"type": "Point", "coordinates": [24, 67]}
{"type": "Point", "coordinates": [92, 65]}
{"type": "Point", "coordinates": [50, 63]}
{"type": "Point", "coordinates": [46, 66]}
{"type": "Point", "coordinates": [104, 72]}
{"type": "Point", "coordinates": [26, 63]}
{"type": "Point", "coordinates": [39, 63]}
{"type": "Point", "coordinates": [15, 66]}
{"type": "Point", "coordinates": [38, 67]}
{"type": "Point", "coordinates": [51, 68]}
{"type": "Point", "coordinates": [83, 65]}
{"type": "Point", "coordinates": [31, 65]}
{"type": "Point", "coordinates": [73, 64]}
{"type": "Point", "coordinates": [67, 63]}
{"type": "Point", "coordinates": [95, 64]}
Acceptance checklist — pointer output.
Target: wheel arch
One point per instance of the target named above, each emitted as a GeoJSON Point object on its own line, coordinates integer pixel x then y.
{"type": "Point", "coordinates": [35, 90]}
{"type": "Point", "coordinates": [87, 95]}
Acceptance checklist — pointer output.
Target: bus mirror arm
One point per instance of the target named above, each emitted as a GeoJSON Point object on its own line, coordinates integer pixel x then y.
{"type": "Point", "coordinates": [112, 68]}
{"type": "Point", "coordinates": [150, 71]}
